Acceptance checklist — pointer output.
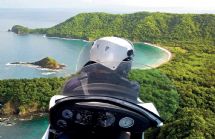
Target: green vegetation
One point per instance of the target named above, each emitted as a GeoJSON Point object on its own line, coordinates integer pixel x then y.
{"type": "Point", "coordinates": [25, 96]}
{"type": "Point", "coordinates": [138, 26]}
{"type": "Point", "coordinates": [20, 29]}
{"type": "Point", "coordinates": [155, 87]}
{"type": "Point", "coordinates": [190, 123]}
{"type": "Point", "coordinates": [192, 72]}
{"type": "Point", "coordinates": [191, 39]}
{"type": "Point", "coordinates": [141, 26]}
{"type": "Point", "coordinates": [24, 30]}
{"type": "Point", "coordinates": [48, 62]}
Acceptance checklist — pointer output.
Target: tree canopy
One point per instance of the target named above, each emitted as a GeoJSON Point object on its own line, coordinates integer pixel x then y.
{"type": "Point", "coordinates": [190, 73]}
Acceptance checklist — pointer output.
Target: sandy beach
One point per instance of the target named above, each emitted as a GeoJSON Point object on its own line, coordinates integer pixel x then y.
{"type": "Point", "coordinates": [163, 61]}
{"type": "Point", "coordinates": [64, 38]}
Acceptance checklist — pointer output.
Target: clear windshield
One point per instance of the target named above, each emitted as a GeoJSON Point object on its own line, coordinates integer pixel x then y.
{"type": "Point", "coordinates": [128, 81]}
{"type": "Point", "coordinates": [84, 59]}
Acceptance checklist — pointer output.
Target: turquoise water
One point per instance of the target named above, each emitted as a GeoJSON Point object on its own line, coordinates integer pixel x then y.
{"type": "Point", "coordinates": [29, 48]}
{"type": "Point", "coordinates": [33, 129]}
{"type": "Point", "coordinates": [15, 48]}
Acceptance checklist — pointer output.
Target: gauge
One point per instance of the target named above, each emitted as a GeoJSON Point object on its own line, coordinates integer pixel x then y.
{"type": "Point", "coordinates": [84, 117]}
{"type": "Point", "coordinates": [67, 114]}
{"type": "Point", "coordinates": [106, 119]}
{"type": "Point", "coordinates": [126, 122]}
{"type": "Point", "coordinates": [61, 124]}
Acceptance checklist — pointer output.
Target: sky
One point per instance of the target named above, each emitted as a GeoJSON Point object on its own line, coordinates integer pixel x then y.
{"type": "Point", "coordinates": [178, 6]}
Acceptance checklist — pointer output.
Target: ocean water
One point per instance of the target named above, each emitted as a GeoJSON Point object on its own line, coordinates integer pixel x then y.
{"type": "Point", "coordinates": [29, 129]}
{"type": "Point", "coordinates": [29, 48]}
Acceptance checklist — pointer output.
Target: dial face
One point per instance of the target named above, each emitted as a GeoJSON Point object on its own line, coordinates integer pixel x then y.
{"type": "Point", "coordinates": [126, 122]}
{"type": "Point", "coordinates": [67, 114]}
{"type": "Point", "coordinates": [106, 119]}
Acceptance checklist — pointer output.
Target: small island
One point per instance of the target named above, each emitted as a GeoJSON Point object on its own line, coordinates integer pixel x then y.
{"type": "Point", "coordinates": [47, 62]}
{"type": "Point", "coordinates": [19, 30]}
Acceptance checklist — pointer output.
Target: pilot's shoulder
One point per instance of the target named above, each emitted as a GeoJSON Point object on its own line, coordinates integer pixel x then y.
{"type": "Point", "coordinates": [72, 84]}
{"type": "Point", "coordinates": [132, 84]}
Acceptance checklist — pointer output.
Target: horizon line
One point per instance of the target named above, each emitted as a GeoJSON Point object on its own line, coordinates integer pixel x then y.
{"type": "Point", "coordinates": [122, 11]}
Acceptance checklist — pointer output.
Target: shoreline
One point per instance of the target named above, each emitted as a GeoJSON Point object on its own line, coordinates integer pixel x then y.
{"type": "Point", "coordinates": [13, 119]}
{"type": "Point", "coordinates": [160, 62]}
{"type": "Point", "coordinates": [33, 66]}
{"type": "Point", "coordinates": [155, 65]}
{"type": "Point", "coordinates": [62, 38]}
{"type": "Point", "coordinates": [163, 61]}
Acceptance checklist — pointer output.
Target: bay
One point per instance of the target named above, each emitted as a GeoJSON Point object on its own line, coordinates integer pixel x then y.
{"type": "Point", "coordinates": [30, 48]}
{"type": "Point", "coordinates": [27, 48]}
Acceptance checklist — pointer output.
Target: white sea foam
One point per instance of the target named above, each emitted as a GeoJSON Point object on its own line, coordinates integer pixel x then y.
{"type": "Point", "coordinates": [26, 119]}
{"type": "Point", "coordinates": [48, 73]}
{"type": "Point", "coordinates": [9, 124]}
{"type": "Point", "coordinates": [46, 69]}
{"type": "Point", "coordinates": [67, 38]}
{"type": "Point", "coordinates": [9, 64]}
{"type": "Point", "coordinates": [33, 66]}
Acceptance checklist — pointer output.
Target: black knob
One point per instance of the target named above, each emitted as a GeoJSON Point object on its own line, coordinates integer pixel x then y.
{"type": "Point", "coordinates": [61, 124]}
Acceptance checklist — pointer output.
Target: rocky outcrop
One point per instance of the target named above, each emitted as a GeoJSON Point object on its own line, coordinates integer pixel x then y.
{"type": "Point", "coordinates": [24, 111]}
{"type": "Point", "coordinates": [8, 108]}
{"type": "Point", "coordinates": [20, 30]}
{"type": "Point", "coordinates": [49, 63]}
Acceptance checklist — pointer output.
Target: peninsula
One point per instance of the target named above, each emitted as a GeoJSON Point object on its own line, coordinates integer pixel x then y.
{"type": "Point", "coordinates": [137, 27]}
{"type": "Point", "coordinates": [190, 38]}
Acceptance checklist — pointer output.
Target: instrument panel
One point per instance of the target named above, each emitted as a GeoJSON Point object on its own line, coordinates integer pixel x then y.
{"type": "Point", "coordinates": [67, 117]}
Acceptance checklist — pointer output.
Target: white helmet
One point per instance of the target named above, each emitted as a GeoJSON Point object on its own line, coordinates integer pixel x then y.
{"type": "Point", "coordinates": [111, 51]}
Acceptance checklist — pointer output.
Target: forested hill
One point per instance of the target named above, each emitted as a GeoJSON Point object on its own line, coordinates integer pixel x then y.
{"type": "Point", "coordinates": [142, 26]}
{"type": "Point", "coordinates": [191, 39]}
